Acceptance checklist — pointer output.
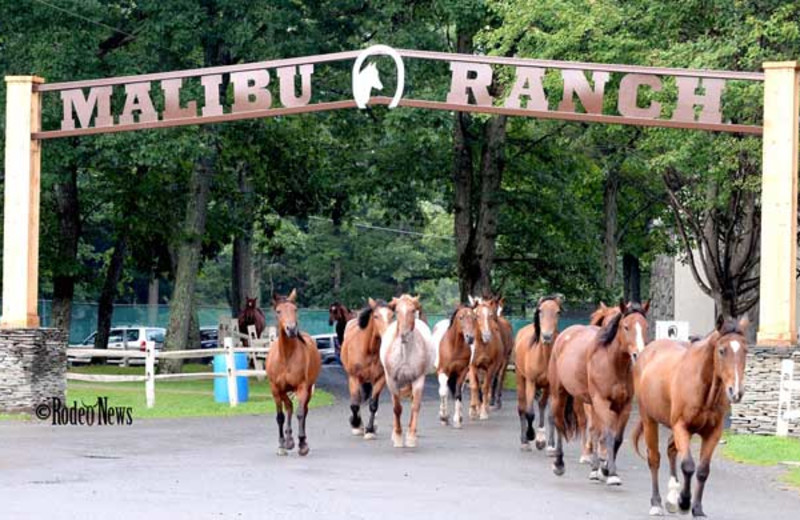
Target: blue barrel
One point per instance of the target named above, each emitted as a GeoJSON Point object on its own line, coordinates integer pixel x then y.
{"type": "Point", "coordinates": [221, 383]}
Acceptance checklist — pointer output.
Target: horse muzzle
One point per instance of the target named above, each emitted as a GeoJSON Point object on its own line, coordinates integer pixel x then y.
{"type": "Point", "coordinates": [486, 337]}
{"type": "Point", "coordinates": [547, 339]}
{"type": "Point", "coordinates": [735, 395]}
{"type": "Point", "coordinates": [291, 331]}
{"type": "Point", "coordinates": [469, 338]}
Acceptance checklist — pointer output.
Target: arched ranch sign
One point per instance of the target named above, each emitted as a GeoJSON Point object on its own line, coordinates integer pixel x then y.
{"type": "Point", "coordinates": [622, 94]}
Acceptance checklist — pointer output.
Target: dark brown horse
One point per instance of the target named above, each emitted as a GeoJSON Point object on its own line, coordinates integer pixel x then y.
{"type": "Point", "coordinates": [455, 343]}
{"type": "Point", "coordinates": [251, 315]}
{"type": "Point", "coordinates": [688, 388]}
{"type": "Point", "coordinates": [593, 365]}
{"type": "Point", "coordinates": [533, 348]}
{"type": "Point", "coordinates": [340, 315]}
{"type": "Point", "coordinates": [293, 364]}
{"type": "Point", "coordinates": [361, 360]}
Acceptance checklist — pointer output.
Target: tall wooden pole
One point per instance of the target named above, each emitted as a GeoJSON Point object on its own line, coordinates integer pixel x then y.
{"type": "Point", "coordinates": [21, 218]}
{"type": "Point", "coordinates": [778, 289]}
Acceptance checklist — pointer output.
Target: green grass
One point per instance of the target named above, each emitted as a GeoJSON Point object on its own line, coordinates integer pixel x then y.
{"type": "Point", "coordinates": [173, 398]}
{"type": "Point", "coordinates": [765, 451]}
{"type": "Point", "coordinates": [511, 381]}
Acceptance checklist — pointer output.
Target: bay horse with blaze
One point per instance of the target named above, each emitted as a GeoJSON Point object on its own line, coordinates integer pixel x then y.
{"type": "Point", "coordinates": [455, 343]}
{"type": "Point", "coordinates": [688, 387]}
{"type": "Point", "coordinates": [361, 361]}
{"type": "Point", "coordinates": [592, 365]}
{"type": "Point", "coordinates": [487, 360]}
{"type": "Point", "coordinates": [293, 365]}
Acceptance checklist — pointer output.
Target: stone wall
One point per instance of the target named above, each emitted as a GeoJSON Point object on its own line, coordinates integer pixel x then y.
{"type": "Point", "coordinates": [758, 411]}
{"type": "Point", "coordinates": [33, 365]}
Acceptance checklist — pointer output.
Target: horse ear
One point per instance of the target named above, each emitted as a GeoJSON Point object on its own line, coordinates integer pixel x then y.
{"type": "Point", "coordinates": [372, 303]}
{"type": "Point", "coordinates": [744, 323]}
{"type": "Point", "coordinates": [603, 305]}
{"type": "Point", "coordinates": [560, 300]}
{"type": "Point", "coordinates": [393, 304]}
{"type": "Point", "coordinates": [417, 304]}
{"type": "Point", "coordinates": [646, 306]}
{"type": "Point", "coordinates": [292, 296]}
{"type": "Point", "coordinates": [622, 306]}
{"type": "Point", "coordinates": [274, 299]}
{"type": "Point", "coordinates": [719, 323]}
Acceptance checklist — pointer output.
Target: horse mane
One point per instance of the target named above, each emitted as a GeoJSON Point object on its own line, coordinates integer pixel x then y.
{"type": "Point", "coordinates": [607, 334]}
{"type": "Point", "coordinates": [366, 313]}
{"type": "Point", "coordinates": [453, 315]}
{"type": "Point", "coordinates": [537, 328]}
{"type": "Point", "coordinates": [596, 318]}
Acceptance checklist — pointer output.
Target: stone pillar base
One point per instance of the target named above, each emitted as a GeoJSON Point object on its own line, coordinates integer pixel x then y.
{"type": "Point", "coordinates": [33, 365]}
{"type": "Point", "coordinates": [758, 411]}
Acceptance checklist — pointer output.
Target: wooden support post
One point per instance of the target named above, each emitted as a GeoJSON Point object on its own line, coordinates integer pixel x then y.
{"type": "Point", "coordinates": [230, 361]}
{"type": "Point", "coordinates": [778, 283]}
{"type": "Point", "coordinates": [21, 218]}
{"type": "Point", "coordinates": [150, 373]}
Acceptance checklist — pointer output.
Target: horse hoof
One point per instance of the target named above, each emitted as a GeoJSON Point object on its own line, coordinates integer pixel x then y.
{"type": "Point", "coordinates": [282, 452]}
{"type": "Point", "coordinates": [613, 480]}
{"type": "Point", "coordinates": [558, 470]}
{"type": "Point", "coordinates": [672, 507]}
{"type": "Point", "coordinates": [457, 425]}
{"type": "Point", "coordinates": [525, 446]}
{"type": "Point", "coordinates": [594, 475]}
{"type": "Point", "coordinates": [444, 421]}
{"type": "Point", "coordinates": [585, 459]}
{"type": "Point", "coordinates": [303, 450]}
{"type": "Point", "coordinates": [656, 511]}
{"type": "Point", "coordinates": [289, 444]}
{"type": "Point", "coordinates": [540, 444]}
{"type": "Point", "coordinates": [473, 414]}
{"type": "Point", "coordinates": [697, 512]}
{"type": "Point", "coordinates": [369, 436]}
{"type": "Point", "coordinates": [411, 441]}
{"type": "Point", "coordinates": [397, 440]}
{"type": "Point", "coordinates": [484, 416]}
{"type": "Point", "coordinates": [551, 451]}
{"type": "Point", "coordinates": [357, 432]}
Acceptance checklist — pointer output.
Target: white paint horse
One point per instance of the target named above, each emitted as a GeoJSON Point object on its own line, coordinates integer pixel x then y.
{"type": "Point", "coordinates": [407, 355]}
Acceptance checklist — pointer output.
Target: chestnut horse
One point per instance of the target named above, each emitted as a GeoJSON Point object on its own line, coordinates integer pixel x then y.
{"type": "Point", "coordinates": [593, 365]}
{"type": "Point", "coordinates": [688, 388]}
{"type": "Point", "coordinates": [455, 343]}
{"type": "Point", "coordinates": [361, 360]}
{"type": "Point", "coordinates": [251, 315]}
{"type": "Point", "coordinates": [340, 315]}
{"type": "Point", "coordinates": [487, 360]}
{"type": "Point", "coordinates": [507, 336]}
{"type": "Point", "coordinates": [534, 345]}
{"type": "Point", "coordinates": [407, 355]}
{"type": "Point", "coordinates": [293, 364]}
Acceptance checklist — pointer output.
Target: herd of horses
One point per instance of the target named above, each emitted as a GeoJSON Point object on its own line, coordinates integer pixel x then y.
{"type": "Point", "coordinates": [580, 381]}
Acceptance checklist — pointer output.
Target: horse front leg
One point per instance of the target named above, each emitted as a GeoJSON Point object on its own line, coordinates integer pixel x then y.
{"type": "Point", "coordinates": [650, 428]}
{"type": "Point", "coordinates": [541, 431]}
{"type": "Point", "coordinates": [682, 443]}
{"type": "Point", "coordinates": [704, 469]}
{"type": "Point", "coordinates": [588, 440]}
{"type": "Point", "coordinates": [474, 398]}
{"type": "Point", "coordinates": [397, 431]}
{"type": "Point", "coordinates": [487, 392]}
{"type": "Point", "coordinates": [458, 413]}
{"type": "Point", "coordinates": [416, 402]}
{"type": "Point", "coordinates": [277, 398]}
{"type": "Point", "coordinates": [558, 405]}
{"type": "Point", "coordinates": [373, 407]}
{"type": "Point", "coordinates": [444, 392]}
{"type": "Point", "coordinates": [355, 406]}
{"type": "Point", "coordinates": [526, 433]}
{"type": "Point", "coordinates": [303, 398]}
{"type": "Point", "coordinates": [287, 401]}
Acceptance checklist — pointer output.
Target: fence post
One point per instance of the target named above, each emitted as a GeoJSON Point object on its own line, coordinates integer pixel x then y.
{"type": "Point", "coordinates": [784, 397]}
{"type": "Point", "coordinates": [149, 373]}
{"type": "Point", "coordinates": [230, 361]}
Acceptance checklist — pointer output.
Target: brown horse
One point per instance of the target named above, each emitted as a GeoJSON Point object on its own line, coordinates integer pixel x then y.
{"type": "Point", "coordinates": [340, 315]}
{"type": "Point", "coordinates": [487, 360]}
{"type": "Point", "coordinates": [534, 345]}
{"type": "Point", "coordinates": [455, 341]}
{"type": "Point", "coordinates": [407, 355]}
{"type": "Point", "coordinates": [293, 364]}
{"type": "Point", "coordinates": [688, 388]}
{"type": "Point", "coordinates": [593, 365]}
{"type": "Point", "coordinates": [507, 336]}
{"type": "Point", "coordinates": [361, 360]}
{"type": "Point", "coordinates": [251, 315]}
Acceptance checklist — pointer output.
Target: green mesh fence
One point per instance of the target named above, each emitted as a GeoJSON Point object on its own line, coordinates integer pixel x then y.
{"type": "Point", "coordinates": [314, 321]}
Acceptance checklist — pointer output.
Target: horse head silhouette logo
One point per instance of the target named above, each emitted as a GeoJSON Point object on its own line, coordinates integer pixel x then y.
{"type": "Point", "coordinates": [364, 80]}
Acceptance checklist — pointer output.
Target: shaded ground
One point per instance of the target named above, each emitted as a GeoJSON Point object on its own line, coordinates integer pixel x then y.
{"type": "Point", "coordinates": [227, 468]}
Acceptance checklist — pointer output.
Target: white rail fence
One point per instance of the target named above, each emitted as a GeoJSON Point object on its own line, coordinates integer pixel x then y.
{"type": "Point", "coordinates": [231, 338]}
{"type": "Point", "coordinates": [786, 414]}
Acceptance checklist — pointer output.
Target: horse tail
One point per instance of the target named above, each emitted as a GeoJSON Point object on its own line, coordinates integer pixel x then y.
{"type": "Point", "coordinates": [366, 390]}
{"type": "Point", "coordinates": [637, 436]}
{"type": "Point", "coordinates": [570, 418]}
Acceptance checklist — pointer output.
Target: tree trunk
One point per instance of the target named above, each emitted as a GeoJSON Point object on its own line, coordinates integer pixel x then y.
{"type": "Point", "coordinates": [242, 270]}
{"type": "Point", "coordinates": [105, 306]}
{"type": "Point", "coordinates": [152, 300]}
{"type": "Point", "coordinates": [632, 278]}
{"type": "Point", "coordinates": [662, 290]}
{"type": "Point", "coordinates": [69, 227]}
{"type": "Point", "coordinates": [610, 191]}
{"type": "Point", "coordinates": [188, 258]}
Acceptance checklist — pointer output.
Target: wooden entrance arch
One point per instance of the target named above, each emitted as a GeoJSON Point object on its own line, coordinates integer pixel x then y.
{"type": "Point", "coordinates": [87, 109]}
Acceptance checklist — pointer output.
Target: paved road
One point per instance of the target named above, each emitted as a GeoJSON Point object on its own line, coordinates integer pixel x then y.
{"type": "Point", "coordinates": [227, 468]}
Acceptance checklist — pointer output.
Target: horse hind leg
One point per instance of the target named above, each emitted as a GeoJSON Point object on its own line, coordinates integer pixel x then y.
{"type": "Point", "coordinates": [397, 431]}
{"type": "Point", "coordinates": [653, 461]}
{"type": "Point", "coordinates": [674, 484]}
{"type": "Point", "coordinates": [371, 430]}
{"type": "Point", "coordinates": [526, 433]}
{"type": "Point", "coordinates": [280, 418]}
{"type": "Point", "coordinates": [355, 406]}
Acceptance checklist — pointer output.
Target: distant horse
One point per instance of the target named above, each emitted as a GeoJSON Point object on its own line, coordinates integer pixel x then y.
{"type": "Point", "coordinates": [507, 336]}
{"type": "Point", "coordinates": [340, 315]}
{"type": "Point", "coordinates": [533, 347]}
{"type": "Point", "coordinates": [594, 366]}
{"type": "Point", "coordinates": [293, 364]}
{"type": "Point", "coordinates": [488, 358]}
{"type": "Point", "coordinates": [361, 360]}
{"type": "Point", "coordinates": [407, 356]}
{"type": "Point", "coordinates": [688, 388]}
{"type": "Point", "coordinates": [251, 315]}
{"type": "Point", "coordinates": [455, 341]}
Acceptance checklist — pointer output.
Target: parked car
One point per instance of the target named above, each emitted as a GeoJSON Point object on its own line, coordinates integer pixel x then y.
{"type": "Point", "coordinates": [327, 344]}
{"type": "Point", "coordinates": [209, 338]}
{"type": "Point", "coordinates": [129, 338]}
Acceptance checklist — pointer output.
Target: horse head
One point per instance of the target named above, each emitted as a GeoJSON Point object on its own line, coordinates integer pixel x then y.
{"type": "Point", "coordinates": [381, 315]}
{"type": "Point", "coordinates": [545, 318]}
{"type": "Point", "coordinates": [251, 303]}
{"type": "Point", "coordinates": [628, 328]}
{"type": "Point", "coordinates": [334, 312]}
{"type": "Point", "coordinates": [486, 315]}
{"type": "Point", "coordinates": [463, 319]}
{"type": "Point", "coordinates": [730, 355]}
{"type": "Point", "coordinates": [407, 308]}
{"type": "Point", "coordinates": [286, 311]}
